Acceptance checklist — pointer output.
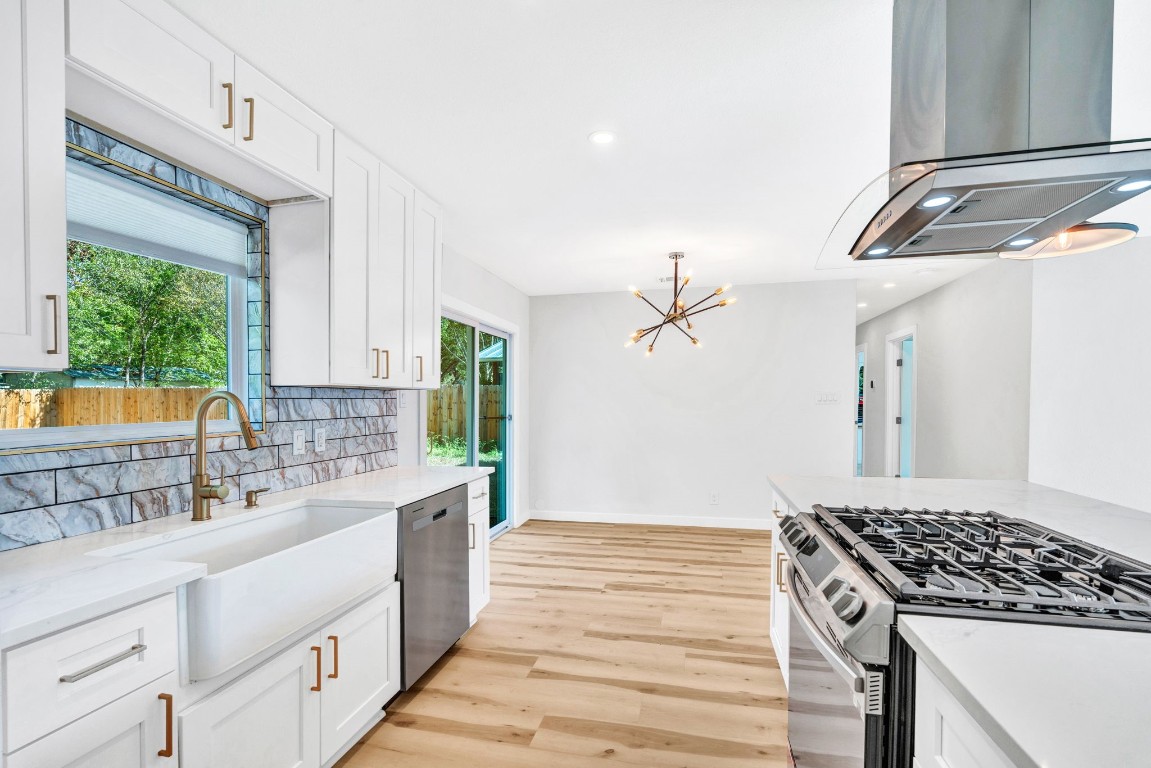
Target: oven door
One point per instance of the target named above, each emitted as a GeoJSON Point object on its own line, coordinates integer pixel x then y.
{"type": "Point", "coordinates": [826, 725]}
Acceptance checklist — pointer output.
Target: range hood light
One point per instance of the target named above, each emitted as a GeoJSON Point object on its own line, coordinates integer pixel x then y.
{"type": "Point", "coordinates": [878, 251]}
{"type": "Point", "coordinates": [1023, 242]}
{"type": "Point", "coordinates": [937, 201]}
{"type": "Point", "coordinates": [1082, 238]}
{"type": "Point", "coordinates": [1133, 186]}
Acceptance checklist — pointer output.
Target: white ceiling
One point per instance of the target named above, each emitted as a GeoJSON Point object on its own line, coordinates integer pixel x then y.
{"type": "Point", "coordinates": [745, 127]}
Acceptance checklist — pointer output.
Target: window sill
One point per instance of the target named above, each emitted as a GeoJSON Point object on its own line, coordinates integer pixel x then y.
{"type": "Point", "coordinates": [69, 438]}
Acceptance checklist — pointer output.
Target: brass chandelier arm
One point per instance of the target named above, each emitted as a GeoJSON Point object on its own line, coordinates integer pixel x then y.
{"type": "Point", "coordinates": [685, 333]}
{"type": "Point", "coordinates": [653, 306]}
{"type": "Point", "coordinates": [713, 306]}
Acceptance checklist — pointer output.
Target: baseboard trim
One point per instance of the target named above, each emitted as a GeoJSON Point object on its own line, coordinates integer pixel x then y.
{"type": "Point", "coordinates": [699, 521]}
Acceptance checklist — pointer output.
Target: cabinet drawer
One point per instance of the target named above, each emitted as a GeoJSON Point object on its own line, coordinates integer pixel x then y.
{"type": "Point", "coordinates": [477, 495]}
{"type": "Point", "coordinates": [53, 681]}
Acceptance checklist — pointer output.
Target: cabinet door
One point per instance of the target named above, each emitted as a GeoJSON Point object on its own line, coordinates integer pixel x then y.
{"type": "Point", "coordinates": [362, 669]}
{"type": "Point", "coordinates": [426, 294]}
{"type": "Point", "coordinates": [391, 303]}
{"type": "Point", "coordinates": [135, 731]}
{"type": "Point", "coordinates": [355, 260]}
{"type": "Point", "coordinates": [946, 736]}
{"type": "Point", "coordinates": [33, 325]}
{"type": "Point", "coordinates": [267, 719]}
{"type": "Point", "coordinates": [780, 617]}
{"type": "Point", "coordinates": [479, 573]}
{"type": "Point", "coordinates": [152, 50]}
{"type": "Point", "coordinates": [277, 128]}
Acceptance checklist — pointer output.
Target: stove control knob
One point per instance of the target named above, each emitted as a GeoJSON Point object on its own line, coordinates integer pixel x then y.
{"type": "Point", "coordinates": [847, 605]}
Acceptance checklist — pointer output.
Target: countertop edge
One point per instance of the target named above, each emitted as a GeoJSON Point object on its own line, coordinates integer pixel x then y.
{"type": "Point", "coordinates": [999, 735]}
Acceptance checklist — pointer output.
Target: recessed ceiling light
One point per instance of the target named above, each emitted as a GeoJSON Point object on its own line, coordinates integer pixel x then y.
{"type": "Point", "coordinates": [861, 304]}
{"type": "Point", "coordinates": [1133, 186]}
{"type": "Point", "coordinates": [601, 137]}
{"type": "Point", "coordinates": [878, 251]}
{"type": "Point", "coordinates": [889, 285]}
{"type": "Point", "coordinates": [936, 201]}
{"type": "Point", "coordinates": [1023, 241]}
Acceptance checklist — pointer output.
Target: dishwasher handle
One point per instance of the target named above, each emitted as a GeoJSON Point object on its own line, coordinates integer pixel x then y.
{"type": "Point", "coordinates": [427, 520]}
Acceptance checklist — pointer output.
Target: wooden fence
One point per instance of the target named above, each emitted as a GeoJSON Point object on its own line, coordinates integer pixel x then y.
{"type": "Point", "coordinates": [448, 411]}
{"type": "Point", "coordinates": [85, 406]}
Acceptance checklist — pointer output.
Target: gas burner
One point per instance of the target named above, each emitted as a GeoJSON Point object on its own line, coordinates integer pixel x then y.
{"type": "Point", "coordinates": [941, 559]}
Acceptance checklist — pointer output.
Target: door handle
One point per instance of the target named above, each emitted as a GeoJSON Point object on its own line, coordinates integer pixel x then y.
{"type": "Point", "coordinates": [376, 352]}
{"type": "Point", "coordinates": [55, 350]}
{"type": "Point", "coordinates": [421, 359]}
{"type": "Point", "coordinates": [387, 363]}
{"type": "Point", "coordinates": [335, 673]}
{"type": "Point", "coordinates": [231, 106]}
{"type": "Point", "coordinates": [319, 667]}
{"type": "Point", "coordinates": [167, 699]}
{"type": "Point", "coordinates": [251, 119]}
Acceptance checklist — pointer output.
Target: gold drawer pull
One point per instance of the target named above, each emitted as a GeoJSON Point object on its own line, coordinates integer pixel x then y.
{"type": "Point", "coordinates": [135, 650]}
{"type": "Point", "coordinates": [387, 364]}
{"type": "Point", "coordinates": [231, 106]}
{"type": "Point", "coordinates": [779, 560]}
{"type": "Point", "coordinates": [251, 119]}
{"type": "Point", "coordinates": [335, 656]}
{"type": "Point", "coordinates": [319, 667]}
{"type": "Point", "coordinates": [167, 750]}
{"type": "Point", "coordinates": [775, 511]}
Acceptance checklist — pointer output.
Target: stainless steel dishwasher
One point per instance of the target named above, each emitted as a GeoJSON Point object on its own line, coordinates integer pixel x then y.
{"type": "Point", "coordinates": [433, 570]}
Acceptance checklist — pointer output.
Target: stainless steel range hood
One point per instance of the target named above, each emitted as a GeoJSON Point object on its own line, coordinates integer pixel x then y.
{"type": "Point", "coordinates": [1015, 96]}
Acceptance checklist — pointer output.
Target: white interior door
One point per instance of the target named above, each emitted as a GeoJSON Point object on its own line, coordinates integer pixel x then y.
{"type": "Point", "coordinates": [901, 401]}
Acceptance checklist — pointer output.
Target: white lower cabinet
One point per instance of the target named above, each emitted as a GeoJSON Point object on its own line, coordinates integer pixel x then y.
{"type": "Point", "coordinates": [135, 731]}
{"type": "Point", "coordinates": [780, 617]}
{"type": "Point", "coordinates": [479, 562]}
{"type": "Point", "coordinates": [946, 735]}
{"type": "Point", "coordinates": [300, 708]}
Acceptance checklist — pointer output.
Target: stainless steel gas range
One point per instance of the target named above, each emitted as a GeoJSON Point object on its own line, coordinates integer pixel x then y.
{"type": "Point", "coordinates": [855, 569]}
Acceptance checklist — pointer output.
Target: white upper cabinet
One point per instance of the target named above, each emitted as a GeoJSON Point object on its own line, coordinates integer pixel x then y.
{"type": "Point", "coordinates": [391, 299]}
{"type": "Point", "coordinates": [33, 293]}
{"type": "Point", "coordinates": [426, 294]}
{"type": "Point", "coordinates": [149, 49]}
{"type": "Point", "coordinates": [158, 54]}
{"type": "Point", "coordinates": [355, 259]}
{"type": "Point", "coordinates": [275, 127]}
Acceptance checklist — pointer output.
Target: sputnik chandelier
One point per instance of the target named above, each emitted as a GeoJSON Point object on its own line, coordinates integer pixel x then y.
{"type": "Point", "coordinates": [679, 314]}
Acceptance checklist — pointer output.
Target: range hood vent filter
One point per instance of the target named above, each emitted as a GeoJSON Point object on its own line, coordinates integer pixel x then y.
{"type": "Point", "coordinates": [977, 237]}
{"type": "Point", "coordinates": [1036, 201]}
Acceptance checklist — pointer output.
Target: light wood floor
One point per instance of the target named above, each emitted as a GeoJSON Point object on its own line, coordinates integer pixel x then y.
{"type": "Point", "coordinates": [640, 645]}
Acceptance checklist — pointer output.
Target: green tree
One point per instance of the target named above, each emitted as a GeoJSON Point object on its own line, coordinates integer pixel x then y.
{"type": "Point", "coordinates": [145, 315]}
{"type": "Point", "coordinates": [455, 345]}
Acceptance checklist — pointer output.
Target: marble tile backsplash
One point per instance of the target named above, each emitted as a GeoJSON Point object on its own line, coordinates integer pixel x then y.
{"type": "Point", "coordinates": [50, 495]}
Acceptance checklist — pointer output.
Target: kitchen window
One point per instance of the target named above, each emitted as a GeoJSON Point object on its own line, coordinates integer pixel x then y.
{"type": "Point", "coordinates": [158, 315]}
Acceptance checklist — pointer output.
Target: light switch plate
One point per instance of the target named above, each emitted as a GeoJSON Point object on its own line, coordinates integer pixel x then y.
{"type": "Point", "coordinates": [321, 440]}
{"type": "Point", "coordinates": [403, 399]}
{"type": "Point", "coordinates": [299, 442]}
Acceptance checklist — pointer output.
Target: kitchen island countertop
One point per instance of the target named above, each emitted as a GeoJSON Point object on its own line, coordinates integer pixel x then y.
{"type": "Point", "coordinates": [1049, 696]}
{"type": "Point", "coordinates": [47, 587]}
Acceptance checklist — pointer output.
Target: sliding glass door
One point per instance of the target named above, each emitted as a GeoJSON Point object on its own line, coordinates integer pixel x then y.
{"type": "Point", "coordinates": [468, 415]}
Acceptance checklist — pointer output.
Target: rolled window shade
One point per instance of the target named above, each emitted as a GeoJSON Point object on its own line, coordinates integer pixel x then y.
{"type": "Point", "coordinates": [109, 210]}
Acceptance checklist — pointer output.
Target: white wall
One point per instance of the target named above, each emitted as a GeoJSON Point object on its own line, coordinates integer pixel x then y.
{"type": "Point", "coordinates": [471, 291]}
{"type": "Point", "coordinates": [972, 350]}
{"type": "Point", "coordinates": [1091, 373]}
{"type": "Point", "coordinates": [619, 437]}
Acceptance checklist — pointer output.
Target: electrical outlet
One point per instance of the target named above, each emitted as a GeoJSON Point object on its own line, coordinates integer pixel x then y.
{"type": "Point", "coordinates": [299, 442]}
{"type": "Point", "coordinates": [713, 498]}
{"type": "Point", "coordinates": [321, 440]}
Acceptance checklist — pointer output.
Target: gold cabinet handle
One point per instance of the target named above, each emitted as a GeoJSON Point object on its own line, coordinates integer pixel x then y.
{"type": "Point", "coordinates": [471, 535]}
{"type": "Point", "coordinates": [376, 352]}
{"type": "Point", "coordinates": [779, 560]}
{"type": "Point", "coordinates": [251, 119]}
{"type": "Point", "coordinates": [421, 359]}
{"type": "Point", "coordinates": [168, 707]}
{"type": "Point", "coordinates": [55, 350]}
{"type": "Point", "coordinates": [387, 364]}
{"type": "Point", "coordinates": [335, 673]}
{"type": "Point", "coordinates": [775, 511]}
{"type": "Point", "coordinates": [319, 667]}
{"type": "Point", "coordinates": [231, 106]}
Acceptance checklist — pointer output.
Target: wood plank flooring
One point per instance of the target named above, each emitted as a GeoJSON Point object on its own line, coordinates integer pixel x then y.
{"type": "Point", "coordinates": [639, 645]}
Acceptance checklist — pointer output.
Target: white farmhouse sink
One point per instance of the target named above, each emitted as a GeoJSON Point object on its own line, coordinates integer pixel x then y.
{"type": "Point", "coordinates": [271, 573]}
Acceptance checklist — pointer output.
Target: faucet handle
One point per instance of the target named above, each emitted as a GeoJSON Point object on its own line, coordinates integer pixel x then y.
{"type": "Point", "coordinates": [252, 497]}
{"type": "Point", "coordinates": [213, 492]}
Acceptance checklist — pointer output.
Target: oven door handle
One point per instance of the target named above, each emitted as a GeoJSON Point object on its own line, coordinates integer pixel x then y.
{"type": "Point", "coordinates": [842, 666]}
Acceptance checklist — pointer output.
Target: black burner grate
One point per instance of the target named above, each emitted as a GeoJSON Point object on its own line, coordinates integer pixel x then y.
{"type": "Point", "coordinates": [989, 561]}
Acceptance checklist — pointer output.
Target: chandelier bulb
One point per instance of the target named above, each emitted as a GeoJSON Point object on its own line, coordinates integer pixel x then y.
{"type": "Point", "coordinates": [628, 343]}
{"type": "Point", "coordinates": [650, 348]}
{"type": "Point", "coordinates": [696, 342]}
{"type": "Point", "coordinates": [689, 325]}
{"type": "Point", "coordinates": [725, 302]}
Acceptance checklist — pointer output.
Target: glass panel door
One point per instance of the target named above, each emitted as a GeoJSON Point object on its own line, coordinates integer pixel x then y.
{"type": "Point", "coordinates": [493, 418]}
{"type": "Point", "coordinates": [450, 411]}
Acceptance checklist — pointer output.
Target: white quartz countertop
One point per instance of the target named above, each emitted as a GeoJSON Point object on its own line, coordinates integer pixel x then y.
{"type": "Point", "coordinates": [46, 587]}
{"type": "Point", "coordinates": [1049, 696]}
